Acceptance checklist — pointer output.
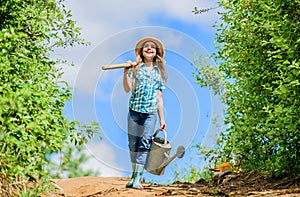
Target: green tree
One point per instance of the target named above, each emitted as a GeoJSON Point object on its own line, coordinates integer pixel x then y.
{"type": "Point", "coordinates": [32, 95]}
{"type": "Point", "coordinates": [258, 44]}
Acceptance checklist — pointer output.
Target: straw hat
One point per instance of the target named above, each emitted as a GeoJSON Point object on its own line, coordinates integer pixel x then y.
{"type": "Point", "coordinates": [160, 51]}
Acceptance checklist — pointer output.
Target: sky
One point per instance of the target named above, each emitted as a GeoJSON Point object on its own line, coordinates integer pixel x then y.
{"type": "Point", "coordinates": [113, 28]}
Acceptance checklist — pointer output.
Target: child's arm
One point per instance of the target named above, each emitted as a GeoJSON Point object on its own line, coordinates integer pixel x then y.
{"type": "Point", "coordinates": [161, 116]}
{"type": "Point", "coordinates": [126, 81]}
{"type": "Point", "coordinates": [127, 84]}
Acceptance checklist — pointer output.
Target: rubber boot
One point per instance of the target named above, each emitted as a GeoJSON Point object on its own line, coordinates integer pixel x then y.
{"type": "Point", "coordinates": [138, 175]}
{"type": "Point", "coordinates": [130, 182]}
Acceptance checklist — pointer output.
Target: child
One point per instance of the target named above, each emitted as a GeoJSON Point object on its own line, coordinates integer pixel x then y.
{"type": "Point", "coordinates": [146, 81]}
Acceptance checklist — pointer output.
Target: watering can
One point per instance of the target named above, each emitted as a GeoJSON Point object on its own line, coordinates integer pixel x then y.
{"type": "Point", "coordinates": [158, 157]}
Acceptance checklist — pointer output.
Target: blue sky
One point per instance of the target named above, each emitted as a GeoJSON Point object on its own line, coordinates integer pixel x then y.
{"type": "Point", "coordinates": [112, 28]}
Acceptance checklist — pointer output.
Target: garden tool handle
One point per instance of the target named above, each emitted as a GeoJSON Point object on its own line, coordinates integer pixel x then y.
{"type": "Point", "coordinates": [114, 66]}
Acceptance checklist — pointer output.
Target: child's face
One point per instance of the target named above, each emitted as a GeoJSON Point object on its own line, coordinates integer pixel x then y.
{"type": "Point", "coordinates": [149, 50]}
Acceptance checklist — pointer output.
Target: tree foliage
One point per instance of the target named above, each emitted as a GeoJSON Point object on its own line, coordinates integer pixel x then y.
{"type": "Point", "coordinates": [258, 44]}
{"type": "Point", "coordinates": [32, 95]}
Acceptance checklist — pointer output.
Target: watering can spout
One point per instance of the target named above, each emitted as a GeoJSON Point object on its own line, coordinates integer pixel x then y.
{"type": "Point", "coordinates": [179, 154]}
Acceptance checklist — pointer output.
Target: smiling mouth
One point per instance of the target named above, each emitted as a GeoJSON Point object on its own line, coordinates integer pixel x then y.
{"type": "Point", "coordinates": [149, 52]}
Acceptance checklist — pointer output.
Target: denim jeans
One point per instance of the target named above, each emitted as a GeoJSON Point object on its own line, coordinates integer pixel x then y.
{"type": "Point", "coordinates": [141, 127]}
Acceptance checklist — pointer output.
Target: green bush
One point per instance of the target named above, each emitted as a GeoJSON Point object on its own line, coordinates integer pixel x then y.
{"type": "Point", "coordinates": [258, 44]}
{"type": "Point", "coordinates": [32, 96]}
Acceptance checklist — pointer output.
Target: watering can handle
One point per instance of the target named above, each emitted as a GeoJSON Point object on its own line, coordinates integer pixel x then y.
{"type": "Point", "coordinates": [165, 134]}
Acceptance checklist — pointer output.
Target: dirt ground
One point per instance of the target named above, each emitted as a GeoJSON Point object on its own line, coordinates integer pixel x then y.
{"type": "Point", "coordinates": [227, 184]}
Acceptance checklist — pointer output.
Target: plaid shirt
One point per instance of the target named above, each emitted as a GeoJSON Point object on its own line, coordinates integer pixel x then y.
{"type": "Point", "coordinates": [144, 95]}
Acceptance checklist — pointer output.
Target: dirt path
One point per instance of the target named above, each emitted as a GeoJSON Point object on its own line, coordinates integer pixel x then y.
{"type": "Point", "coordinates": [234, 185]}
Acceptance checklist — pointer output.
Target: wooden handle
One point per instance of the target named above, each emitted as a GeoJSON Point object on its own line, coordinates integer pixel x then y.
{"type": "Point", "coordinates": [114, 66]}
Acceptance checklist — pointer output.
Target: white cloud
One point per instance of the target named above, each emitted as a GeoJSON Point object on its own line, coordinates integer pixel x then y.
{"type": "Point", "coordinates": [182, 10]}
{"type": "Point", "coordinates": [102, 159]}
{"type": "Point", "coordinates": [99, 19]}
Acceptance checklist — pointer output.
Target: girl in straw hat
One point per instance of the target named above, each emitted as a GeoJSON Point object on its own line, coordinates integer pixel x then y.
{"type": "Point", "coordinates": [146, 82]}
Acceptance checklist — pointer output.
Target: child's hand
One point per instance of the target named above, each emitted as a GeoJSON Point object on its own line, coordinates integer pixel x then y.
{"type": "Point", "coordinates": [163, 126]}
{"type": "Point", "coordinates": [126, 69]}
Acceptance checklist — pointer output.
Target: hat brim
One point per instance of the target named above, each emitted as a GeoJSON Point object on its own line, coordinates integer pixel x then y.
{"type": "Point", "coordinates": [139, 45]}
